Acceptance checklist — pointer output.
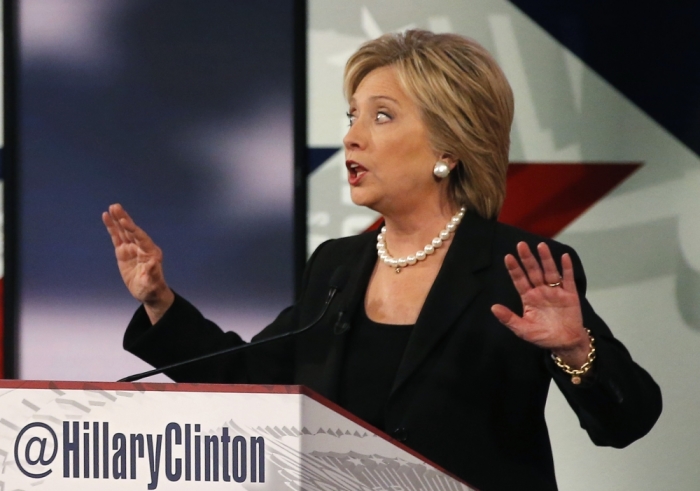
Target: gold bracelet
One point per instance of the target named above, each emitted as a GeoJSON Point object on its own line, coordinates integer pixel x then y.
{"type": "Point", "coordinates": [576, 374]}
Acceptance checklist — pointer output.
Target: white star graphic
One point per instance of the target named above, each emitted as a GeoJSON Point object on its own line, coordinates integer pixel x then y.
{"type": "Point", "coordinates": [377, 459]}
{"type": "Point", "coordinates": [355, 461]}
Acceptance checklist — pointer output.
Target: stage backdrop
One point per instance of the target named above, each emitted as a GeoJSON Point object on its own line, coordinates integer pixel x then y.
{"type": "Point", "coordinates": [2, 192]}
{"type": "Point", "coordinates": [605, 144]}
{"type": "Point", "coordinates": [181, 111]}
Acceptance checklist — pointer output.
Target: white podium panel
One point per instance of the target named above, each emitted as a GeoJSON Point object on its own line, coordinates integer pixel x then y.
{"type": "Point", "coordinates": [121, 436]}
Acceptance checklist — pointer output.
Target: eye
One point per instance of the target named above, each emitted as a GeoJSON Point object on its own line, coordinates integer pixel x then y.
{"type": "Point", "coordinates": [382, 117]}
{"type": "Point", "coordinates": [351, 118]}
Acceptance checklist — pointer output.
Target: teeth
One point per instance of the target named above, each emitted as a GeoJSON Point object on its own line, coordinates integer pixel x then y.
{"type": "Point", "coordinates": [354, 166]}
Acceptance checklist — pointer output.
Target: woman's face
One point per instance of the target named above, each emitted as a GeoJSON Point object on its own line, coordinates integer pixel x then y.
{"type": "Point", "coordinates": [387, 151]}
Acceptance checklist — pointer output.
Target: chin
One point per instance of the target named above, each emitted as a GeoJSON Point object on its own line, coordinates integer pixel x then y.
{"type": "Point", "coordinates": [361, 197]}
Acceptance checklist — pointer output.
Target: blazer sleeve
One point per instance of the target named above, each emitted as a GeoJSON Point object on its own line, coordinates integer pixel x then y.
{"type": "Point", "coordinates": [184, 333]}
{"type": "Point", "coordinates": [618, 402]}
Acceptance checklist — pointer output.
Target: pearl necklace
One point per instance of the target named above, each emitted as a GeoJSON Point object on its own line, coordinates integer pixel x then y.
{"type": "Point", "coordinates": [437, 242]}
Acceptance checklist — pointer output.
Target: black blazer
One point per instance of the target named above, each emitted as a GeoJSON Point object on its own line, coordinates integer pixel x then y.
{"type": "Point", "coordinates": [468, 394]}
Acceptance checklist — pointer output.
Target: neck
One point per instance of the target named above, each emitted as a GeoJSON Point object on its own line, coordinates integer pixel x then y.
{"type": "Point", "coordinates": [412, 230]}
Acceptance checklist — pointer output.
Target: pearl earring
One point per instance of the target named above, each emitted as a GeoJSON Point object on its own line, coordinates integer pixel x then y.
{"type": "Point", "coordinates": [441, 170]}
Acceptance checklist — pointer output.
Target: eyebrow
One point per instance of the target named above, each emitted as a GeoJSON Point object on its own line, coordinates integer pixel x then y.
{"type": "Point", "coordinates": [378, 97]}
{"type": "Point", "coordinates": [375, 97]}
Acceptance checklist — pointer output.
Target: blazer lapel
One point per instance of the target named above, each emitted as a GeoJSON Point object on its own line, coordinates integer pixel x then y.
{"type": "Point", "coordinates": [454, 289]}
{"type": "Point", "coordinates": [349, 299]}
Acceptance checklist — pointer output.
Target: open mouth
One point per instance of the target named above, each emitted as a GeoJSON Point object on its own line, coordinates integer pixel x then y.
{"type": "Point", "coordinates": [355, 171]}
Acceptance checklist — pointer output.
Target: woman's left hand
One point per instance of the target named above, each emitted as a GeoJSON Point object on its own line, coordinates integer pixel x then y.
{"type": "Point", "coordinates": [551, 309]}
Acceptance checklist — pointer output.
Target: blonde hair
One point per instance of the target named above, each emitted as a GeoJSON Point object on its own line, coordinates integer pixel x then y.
{"type": "Point", "coordinates": [466, 104]}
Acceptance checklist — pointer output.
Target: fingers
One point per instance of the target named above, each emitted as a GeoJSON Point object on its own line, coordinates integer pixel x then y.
{"type": "Point", "coordinates": [567, 273]}
{"type": "Point", "coordinates": [542, 272]}
{"type": "Point", "coordinates": [123, 220]}
{"type": "Point", "coordinates": [136, 234]}
{"type": "Point", "coordinates": [503, 313]}
{"type": "Point", "coordinates": [111, 219]}
{"type": "Point", "coordinates": [532, 267]}
{"type": "Point", "coordinates": [527, 276]}
{"type": "Point", "coordinates": [520, 281]}
{"type": "Point", "coordinates": [123, 229]}
{"type": "Point", "coordinates": [112, 229]}
{"type": "Point", "coordinates": [551, 272]}
{"type": "Point", "coordinates": [508, 318]}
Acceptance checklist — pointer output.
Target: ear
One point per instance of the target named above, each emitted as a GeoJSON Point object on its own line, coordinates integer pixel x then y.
{"type": "Point", "coordinates": [450, 160]}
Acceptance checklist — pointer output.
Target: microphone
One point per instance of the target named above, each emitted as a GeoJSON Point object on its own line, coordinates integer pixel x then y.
{"type": "Point", "coordinates": [337, 282]}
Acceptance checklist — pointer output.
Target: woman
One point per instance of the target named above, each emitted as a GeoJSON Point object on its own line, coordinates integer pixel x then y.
{"type": "Point", "coordinates": [439, 344]}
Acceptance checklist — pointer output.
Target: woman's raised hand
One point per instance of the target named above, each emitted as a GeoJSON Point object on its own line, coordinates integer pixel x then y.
{"type": "Point", "coordinates": [140, 262]}
{"type": "Point", "coordinates": [551, 309]}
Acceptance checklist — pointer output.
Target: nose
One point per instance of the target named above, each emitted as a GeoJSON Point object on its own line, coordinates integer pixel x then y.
{"type": "Point", "coordinates": [356, 137]}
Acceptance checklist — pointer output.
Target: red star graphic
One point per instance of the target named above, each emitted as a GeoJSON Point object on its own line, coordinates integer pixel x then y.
{"type": "Point", "coordinates": [545, 198]}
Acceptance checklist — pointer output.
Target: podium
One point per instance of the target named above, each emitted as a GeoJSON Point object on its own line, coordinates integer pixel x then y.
{"type": "Point", "coordinates": [145, 436]}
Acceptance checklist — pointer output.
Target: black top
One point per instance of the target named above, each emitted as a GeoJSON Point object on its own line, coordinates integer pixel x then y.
{"type": "Point", "coordinates": [372, 357]}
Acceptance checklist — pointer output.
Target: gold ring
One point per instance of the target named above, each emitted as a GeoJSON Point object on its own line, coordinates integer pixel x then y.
{"type": "Point", "coordinates": [554, 285]}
